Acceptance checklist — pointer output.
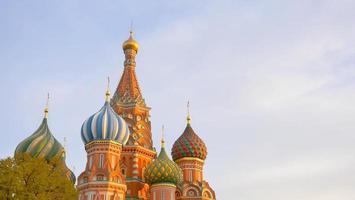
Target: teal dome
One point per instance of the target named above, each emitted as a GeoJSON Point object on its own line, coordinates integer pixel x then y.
{"type": "Point", "coordinates": [44, 145]}
{"type": "Point", "coordinates": [41, 144]}
{"type": "Point", "coordinates": [163, 170]}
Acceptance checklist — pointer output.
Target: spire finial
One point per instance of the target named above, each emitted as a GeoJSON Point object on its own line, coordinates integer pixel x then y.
{"type": "Point", "coordinates": [64, 142]}
{"type": "Point", "coordinates": [131, 29]}
{"type": "Point", "coordinates": [188, 118]}
{"type": "Point", "coordinates": [108, 89]}
{"type": "Point", "coordinates": [46, 108]}
{"type": "Point", "coordinates": [162, 137]}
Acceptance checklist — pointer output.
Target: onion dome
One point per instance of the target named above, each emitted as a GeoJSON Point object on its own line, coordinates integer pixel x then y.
{"type": "Point", "coordinates": [106, 124]}
{"type": "Point", "coordinates": [130, 43]}
{"type": "Point", "coordinates": [163, 170]}
{"type": "Point", "coordinates": [42, 144]}
{"type": "Point", "coordinates": [189, 144]}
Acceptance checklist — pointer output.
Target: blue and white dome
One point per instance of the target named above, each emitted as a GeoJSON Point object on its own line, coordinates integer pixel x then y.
{"type": "Point", "coordinates": [106, 124]}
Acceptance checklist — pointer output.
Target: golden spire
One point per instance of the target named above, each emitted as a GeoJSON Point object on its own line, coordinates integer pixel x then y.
{"type": "Point", "coordinates": [188, 118]}
{"type": "Point", "coordinates": [162, 137]}
{"type": "Point", "coordinates": [46, 108]}
{"type": "Point", "coordinates": [108, 89]}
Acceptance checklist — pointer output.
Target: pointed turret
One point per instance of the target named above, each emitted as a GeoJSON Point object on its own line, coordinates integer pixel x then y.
{"type": "Point", "coordinates": [128, 93]}
{"type": "Point", "coordinates": [189, 144]}
{"type": "Point", "coordinates": [104, 134]}
{"type": "Point", "coordinates": [129, 103]}
{"type": "Point", "coordinates": [189, 152]}
{"type": "Point", "coordinates": [163, 175]}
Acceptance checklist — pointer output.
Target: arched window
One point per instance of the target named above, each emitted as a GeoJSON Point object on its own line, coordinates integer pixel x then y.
{"type": "Point", "coordinates": [177, 194]}
{"type": "Point", "coordinates": [123, 170]}
{"type": "Point", "coordinates": [99, 177]}
{"type": "Point", "coordinates": [113, 162]}
{"type": "Point", "coordinates": [190, 175]}
{"type": "Point", "coordinates": [90, 162]}
{"type": "Point", "coordinates": [101, 162]}
{"type": "Point", "coordinates": [143, 169]}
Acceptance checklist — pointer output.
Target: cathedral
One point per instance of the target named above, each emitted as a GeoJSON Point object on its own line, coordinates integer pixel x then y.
{"type": "Point", "coordinates": [121, 162]}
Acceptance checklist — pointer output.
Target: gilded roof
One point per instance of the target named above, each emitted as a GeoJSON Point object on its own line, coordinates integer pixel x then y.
{"type": "Point", "coordinates": [131, 43]}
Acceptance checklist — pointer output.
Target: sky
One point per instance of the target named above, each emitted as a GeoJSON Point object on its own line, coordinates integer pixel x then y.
{"type": "Point", "coordinates": [271, 84]}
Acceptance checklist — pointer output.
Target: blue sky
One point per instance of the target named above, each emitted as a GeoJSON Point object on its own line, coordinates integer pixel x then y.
{"type": "Point", "coordinates": [271, 84]}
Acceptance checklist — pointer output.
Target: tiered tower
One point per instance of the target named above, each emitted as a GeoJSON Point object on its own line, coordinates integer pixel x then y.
{"type": "Point", "coordinates": [130, 104]}
{"type": "Point", "coordinates": [103, 134]}
{"type": "Point", "coordinates": [163, 175]}
{"type": "Point", "coordinates": [189, 152]}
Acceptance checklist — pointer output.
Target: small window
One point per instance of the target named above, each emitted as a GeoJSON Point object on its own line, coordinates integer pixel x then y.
{"type": "Point", "coordinates": [123, 172]}
{"type": "Point", "coordinates": [190, 175]}
{"type": "Point", "coordinates": [99, 178]}
{"type": "Point", "coordinates": [101, 163]}
{"type": "Point", "coordinates": [113, 162]}
{"type": "Point", "coordinates": [90, 162]}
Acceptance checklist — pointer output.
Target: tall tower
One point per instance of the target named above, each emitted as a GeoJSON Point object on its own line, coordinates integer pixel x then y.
{"type": "Point", "coordinates": [130, 104]}
{"type": "Point", "coordinates": [189, 152]}
{"type": "Point", "coordinates": [103, 134]}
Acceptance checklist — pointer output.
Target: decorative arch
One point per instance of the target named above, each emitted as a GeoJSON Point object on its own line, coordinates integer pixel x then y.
{"type": "Point", "coordinates": [177, 194]}
{"type": "Point", "coordinates": [191, 191]}
{"type": "Point", "coordinates": [100, 177]}
{"type": "Point", "coordinates": [207, 194]}
{"type": "Point", "coordinates": [123, 169]}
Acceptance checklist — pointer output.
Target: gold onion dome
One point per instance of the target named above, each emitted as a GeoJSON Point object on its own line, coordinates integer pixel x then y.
{"type": "Point", "coordinates": [131, 43]}
{"type": "Point", "coordinates": [163, 170]}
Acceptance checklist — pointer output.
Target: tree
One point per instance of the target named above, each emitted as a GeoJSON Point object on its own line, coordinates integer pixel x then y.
{"type": "Point", "coordinates": [25, 177]}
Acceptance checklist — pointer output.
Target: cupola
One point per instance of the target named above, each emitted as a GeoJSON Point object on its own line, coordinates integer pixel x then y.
{"type": "Point", "coordinates": [163, 170]}
{"type": "Point", "coordinates": [130, 43]}
{"type": "Point", "coordinates": [105, 124]}
{"type": "Point", "coordinates": [189, 144]}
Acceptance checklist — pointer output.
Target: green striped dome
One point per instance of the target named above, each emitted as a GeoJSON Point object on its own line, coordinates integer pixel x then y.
{"type": "Point", "coordinates": [43, 144]}
{"type": "Point", "coordinates": [163, 170]}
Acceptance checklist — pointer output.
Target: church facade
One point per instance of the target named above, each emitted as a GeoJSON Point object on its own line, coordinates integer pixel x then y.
{"type": "Point", "coordinates": [121, 162]}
